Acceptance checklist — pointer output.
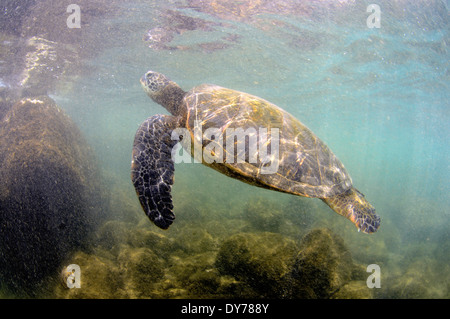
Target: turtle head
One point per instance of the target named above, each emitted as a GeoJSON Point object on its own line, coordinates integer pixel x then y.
{"type": "Point", "coordinates": [163, 91]}
{"type": "Point", "coordinates": [154, 82]}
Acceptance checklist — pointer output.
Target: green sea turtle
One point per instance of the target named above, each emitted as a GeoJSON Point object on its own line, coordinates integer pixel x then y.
{"type": "Point", "coordinates": [203, 118]}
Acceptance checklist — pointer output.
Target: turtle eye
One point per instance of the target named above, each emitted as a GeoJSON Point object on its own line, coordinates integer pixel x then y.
{"type": "Point", "coordinates": [148, 77]}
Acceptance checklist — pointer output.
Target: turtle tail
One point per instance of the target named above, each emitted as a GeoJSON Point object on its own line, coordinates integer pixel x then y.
{"type": "Point", "coordinates": [353, 205]}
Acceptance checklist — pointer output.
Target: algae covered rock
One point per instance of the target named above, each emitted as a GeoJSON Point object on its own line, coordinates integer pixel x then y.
{"type": "Point", "coordinates": [261, 260]}
{"type": "Point", "coordinates": [125, 272]}
{"type": "Point", "coordinates": [322, 266]}
{"type": "Point", "coordinates": [422, 279]}
{"type": "Point", "coordinates": [111, 235]}
{"type": "Point", "coordinates": [274, 266]}
{"type": "Point", "coordinates": [194, 240]}
{"type": "Point", "coordinates": [50, 196]}
{"type": "Point", "coordinates": [354, 290]}
{"type": "Point", "coordinates": [142, 268]}
{"type": "Point", "coordinates": [100, 278]}
{"type": "Point", "coordinates": [160, 244]}
{"type": "Point", "coordinates": [194, 274]}
{"type": "Point", "coordinates": [406, 287]}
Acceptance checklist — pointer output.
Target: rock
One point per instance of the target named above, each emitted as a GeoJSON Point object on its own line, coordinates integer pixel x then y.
{"type": "Point", "coordinates": [194, 240]}
{"type": "Point", "coordinates": [142, 268]}
{"type": "Point", "coordinates": [50, 194]}
{"type": "Point", "coordinates": [195, 274]}
{"type": "Point", "coordinates": [204, 284]}
{"type": "Point", "coordinates": [322, 266]}
{"type": "Point", "coordinates": [101, 278]}
{"type": "Point", "coordinates": [133, 273]}
{"type": "Point", "coordinates": [13, 15]}
{"type": "Point", "coordinates": [405, 287]}
{"type": "Point", "coordinates": [421, 279]}
{"type": "Point", "coordinates": [38, 49]}
{"type": "Point", "coordinates": [45, 19]}
{"type": "Point", "coordinates": [111, 235]}
{"type": "Point", "coordinates": [230, 288]}
{"type": "Point", "coordinates": [260, 260]}
{"type": "Point", "coordinates": [354, 290]}
{"type": "Point", "coordinates": [160, 244]}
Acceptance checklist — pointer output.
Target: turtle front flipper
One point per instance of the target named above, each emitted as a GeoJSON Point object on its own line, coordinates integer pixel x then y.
{"type": "Point", "coordinates": [152, 168]}
{"type": "Point", "coordinates": [353, 205]}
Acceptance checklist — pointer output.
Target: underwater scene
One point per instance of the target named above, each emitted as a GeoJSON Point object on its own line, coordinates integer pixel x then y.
{"type": "Point", "coordinates": [370, 79]}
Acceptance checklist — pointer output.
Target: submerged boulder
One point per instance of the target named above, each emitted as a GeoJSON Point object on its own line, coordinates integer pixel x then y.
{"type": "Point", "coordinates": [141, 269]}
{"type": "Point", "coordinates": [50, 195]}
{"type": "Point", "coordinates": [100, 278]}
{"type": "Point", "coordinates": [354, 290]}
{"type": "Point", "coordinates": [261, 260]}
{"type": "Point", "coordinates": [322, 266]}
{"type": "Point", "coordinates": [275, 266]}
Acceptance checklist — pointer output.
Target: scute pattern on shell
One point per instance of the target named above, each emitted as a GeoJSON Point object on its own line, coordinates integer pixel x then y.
{"type": "Point", "coordinates": [307, 167]}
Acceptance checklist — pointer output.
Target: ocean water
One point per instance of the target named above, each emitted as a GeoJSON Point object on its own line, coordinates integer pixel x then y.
{"type": "Point", "coordinates": [378, 97]}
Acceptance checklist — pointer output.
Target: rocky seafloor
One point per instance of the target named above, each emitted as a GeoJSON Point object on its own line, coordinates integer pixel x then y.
{"type": "Point", "coordinates": [263, 253]}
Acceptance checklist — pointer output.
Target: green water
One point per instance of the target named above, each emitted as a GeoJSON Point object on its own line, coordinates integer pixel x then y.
{"type": "Point", "coordinates": [377, 97]}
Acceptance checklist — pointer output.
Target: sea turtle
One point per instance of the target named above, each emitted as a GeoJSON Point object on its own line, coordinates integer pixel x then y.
{"type": "Point", "coordinates": [205, 121]}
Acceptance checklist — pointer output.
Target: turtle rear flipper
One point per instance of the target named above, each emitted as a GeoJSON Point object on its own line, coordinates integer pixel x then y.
{"type": "Point", "coordinates": [353, 205]}
{"type": "Point", "coordinates": [152, 168]}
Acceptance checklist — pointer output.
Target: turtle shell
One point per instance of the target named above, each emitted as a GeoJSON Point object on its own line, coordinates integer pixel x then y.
{"type": "Point", "coordinates": [222, 121]}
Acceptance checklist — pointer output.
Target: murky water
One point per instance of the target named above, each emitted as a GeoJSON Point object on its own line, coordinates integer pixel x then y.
{"type": "Point", "coordinates": [378, 97]}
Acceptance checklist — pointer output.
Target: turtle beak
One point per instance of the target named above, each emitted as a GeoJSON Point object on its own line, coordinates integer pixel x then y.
{"type": "Point", "coordinates": [143, 80]}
